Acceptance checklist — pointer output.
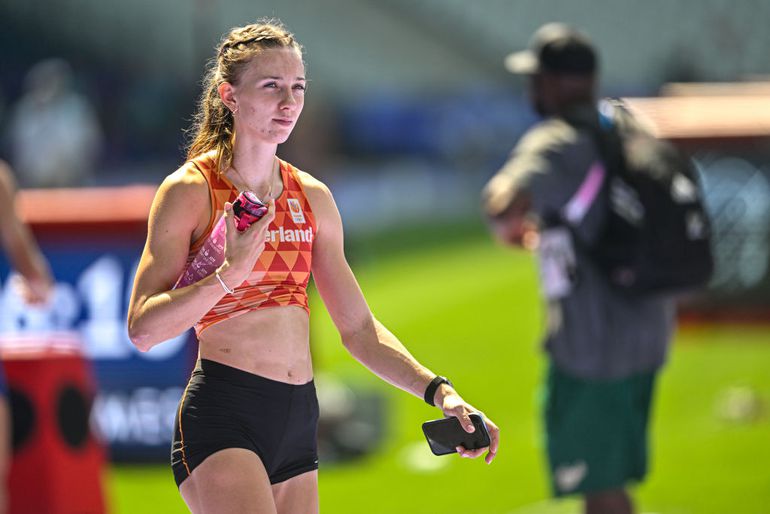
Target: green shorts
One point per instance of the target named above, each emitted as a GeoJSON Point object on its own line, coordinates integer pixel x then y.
{"type": "Point", "coordinates": [596, 431]}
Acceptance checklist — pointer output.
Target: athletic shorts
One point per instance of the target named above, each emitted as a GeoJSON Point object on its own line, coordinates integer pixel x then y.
{"type": "Point", "coordinates": [224, 407]}
{"type": "Point", "coordinates": [596, 431]}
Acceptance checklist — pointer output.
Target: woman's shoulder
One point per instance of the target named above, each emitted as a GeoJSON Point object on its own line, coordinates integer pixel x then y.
{"type": "Point", "coordinates": [186, 174]}
{"type": "Point", "coordinates": [310, 184]}
{"type": "Point", "coordinates": [317, 193]}
{"type": "Point", "coordinates": [186, 184]}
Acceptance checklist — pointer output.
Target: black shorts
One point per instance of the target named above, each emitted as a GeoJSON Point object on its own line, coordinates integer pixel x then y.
{"type": "Point", "coordinates": [224, 407]}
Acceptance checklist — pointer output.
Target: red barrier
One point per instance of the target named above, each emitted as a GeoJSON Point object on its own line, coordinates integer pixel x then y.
{"type": "Point", "coordinates": [57, 462]}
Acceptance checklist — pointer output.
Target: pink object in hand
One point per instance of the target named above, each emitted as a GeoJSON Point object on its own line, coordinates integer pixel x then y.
{"type": "Point", "coordinates": [247, 209]}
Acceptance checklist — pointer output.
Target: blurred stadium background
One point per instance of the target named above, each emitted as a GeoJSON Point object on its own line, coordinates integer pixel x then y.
{"type": "Point", "coordinates": [408, 113]}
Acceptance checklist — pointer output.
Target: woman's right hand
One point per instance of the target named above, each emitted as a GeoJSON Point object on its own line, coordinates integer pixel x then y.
{"type": "Point", "coordinates": [243, 248]}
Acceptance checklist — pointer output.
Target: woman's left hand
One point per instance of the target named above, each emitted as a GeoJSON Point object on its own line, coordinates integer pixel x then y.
{"type": "Point", "coordinates": [452, 404]}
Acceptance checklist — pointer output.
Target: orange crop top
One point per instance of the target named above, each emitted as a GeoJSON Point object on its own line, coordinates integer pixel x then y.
{"type": "Point", "coordinates": [281, 273]}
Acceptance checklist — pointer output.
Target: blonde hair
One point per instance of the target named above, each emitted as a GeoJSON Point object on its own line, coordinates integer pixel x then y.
{"type": "Point", "coordinates": [213, 126]}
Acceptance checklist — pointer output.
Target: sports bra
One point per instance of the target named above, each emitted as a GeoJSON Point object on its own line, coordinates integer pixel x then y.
{"type": "Point", "coordinates": [280, 275]}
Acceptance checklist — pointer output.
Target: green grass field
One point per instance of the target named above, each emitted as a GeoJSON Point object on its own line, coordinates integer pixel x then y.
{"type": "Point", "coordinates": [470, 310]}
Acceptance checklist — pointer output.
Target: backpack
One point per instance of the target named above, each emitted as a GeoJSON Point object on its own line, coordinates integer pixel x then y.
{"type": "Point", "coordinates": [657, 234]}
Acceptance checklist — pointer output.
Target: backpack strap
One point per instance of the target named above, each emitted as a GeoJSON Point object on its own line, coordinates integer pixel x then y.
{"type": "Point", "coordinates": [607, 138]}
{"type": "Point", "coordinates": [576, 208]}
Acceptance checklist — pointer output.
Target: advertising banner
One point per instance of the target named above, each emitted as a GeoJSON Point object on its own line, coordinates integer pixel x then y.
{"type": "Point", "coordinates": [93, 240]}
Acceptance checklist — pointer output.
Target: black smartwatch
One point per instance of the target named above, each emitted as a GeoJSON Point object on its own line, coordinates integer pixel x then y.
{"type": "Point", "coordinates": [430, 391]}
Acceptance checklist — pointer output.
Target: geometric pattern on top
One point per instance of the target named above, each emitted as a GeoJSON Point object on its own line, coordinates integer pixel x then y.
{"type": "Point", "coordinates": [281, 274]}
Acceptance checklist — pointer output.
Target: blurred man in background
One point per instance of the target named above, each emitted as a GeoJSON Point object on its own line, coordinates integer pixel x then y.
{"type": "Point", "coordinates": [604, 347]}
{"type": "Point", "coordinates": [55, 136]}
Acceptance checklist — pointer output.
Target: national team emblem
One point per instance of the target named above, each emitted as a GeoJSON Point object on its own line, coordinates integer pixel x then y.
{"type": "Point", "coordinates": [296, 210]}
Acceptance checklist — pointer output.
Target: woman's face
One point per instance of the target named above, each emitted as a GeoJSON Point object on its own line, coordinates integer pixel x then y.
{"type": "Point", "coordinates": [269, 96]}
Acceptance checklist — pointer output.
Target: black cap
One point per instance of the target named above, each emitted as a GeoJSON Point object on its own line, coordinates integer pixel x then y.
{"type": "Point", "coordinates": [555, 48]}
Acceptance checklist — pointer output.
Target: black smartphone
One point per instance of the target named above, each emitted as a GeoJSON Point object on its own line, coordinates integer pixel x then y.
{"type": "Point", "coordinates": [445, 435]}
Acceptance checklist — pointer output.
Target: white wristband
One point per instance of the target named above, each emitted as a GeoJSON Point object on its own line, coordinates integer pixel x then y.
{"type": "Point", "coordinates": [224, 286]}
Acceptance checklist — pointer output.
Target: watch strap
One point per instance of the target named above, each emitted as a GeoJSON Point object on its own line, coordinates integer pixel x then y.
{"type": "Point", "coordinates": [430, 391]}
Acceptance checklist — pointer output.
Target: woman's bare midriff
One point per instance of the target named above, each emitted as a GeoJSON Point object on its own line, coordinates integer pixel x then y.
{"type": "Point", "coordinates": [271, 342]}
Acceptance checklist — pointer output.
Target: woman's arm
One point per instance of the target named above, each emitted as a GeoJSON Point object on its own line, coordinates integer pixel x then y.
{"type": "Point", "coordinates": [181, 207]}
{"type": "Point", "coordinates": [364, 337]}
{"type": "Point", "coordinates": [21, 247]}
